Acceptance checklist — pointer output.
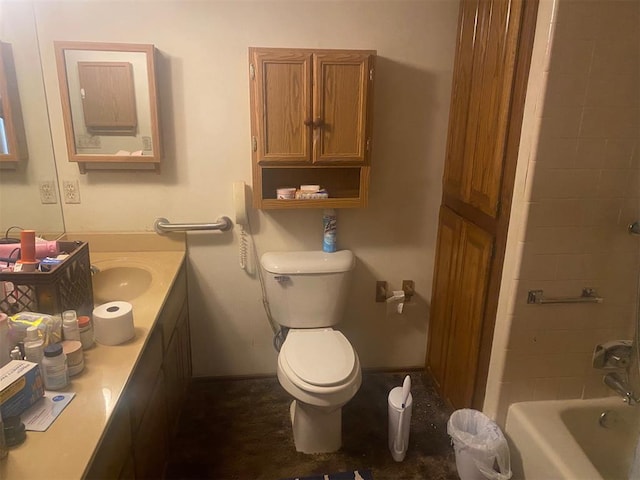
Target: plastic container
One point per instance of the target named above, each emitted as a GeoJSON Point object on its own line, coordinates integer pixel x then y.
{"type": "Point", "coordinates": [285, 193]}
{"type": "Point", "coordinates": [86, 332]}
{"type": "Point", "coordinates": [33, 346]}
{"type": "Point", "coordinates": [399, 420]}
{"type": "Point", "coordinates": [329, 224]}
{"type": "Point", "coordinates": [480, 446]}
{"type": "Point", "coordinates": [70, 329]}
{"type": "Point", "coordinates": [54, 367]}
{"type": "Point", "coordinates": [5, 342]}
{"type": "Point", "coordinates": [75, 357]}
{"type": "Point", "coordinates": [67, 286]}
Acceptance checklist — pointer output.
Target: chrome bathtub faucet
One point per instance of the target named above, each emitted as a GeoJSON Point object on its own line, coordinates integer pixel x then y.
{"type": "Point", "coordinates": [615, 382]}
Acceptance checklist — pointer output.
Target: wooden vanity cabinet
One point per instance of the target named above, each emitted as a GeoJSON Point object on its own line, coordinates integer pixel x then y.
{"type": "Point", "coordinates": [311, 123]}
{"type": "Point", "coordinates": [136, 443]}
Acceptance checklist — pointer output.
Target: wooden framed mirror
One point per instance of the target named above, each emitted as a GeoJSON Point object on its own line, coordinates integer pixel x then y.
{"type": "Point", "coordinates": [109, 105]}
{"type": "Point", "coordinates": [13, 146]}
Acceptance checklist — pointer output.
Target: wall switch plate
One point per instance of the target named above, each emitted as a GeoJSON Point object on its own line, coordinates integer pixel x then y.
{"type": "Point", "coordinates": [48, 193]}
{"type": "Point", "coordinates": [71, 191]}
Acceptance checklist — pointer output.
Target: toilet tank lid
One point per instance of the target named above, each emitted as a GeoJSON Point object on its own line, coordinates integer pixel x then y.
{"type": "Point", "coordinates": [308, 262]}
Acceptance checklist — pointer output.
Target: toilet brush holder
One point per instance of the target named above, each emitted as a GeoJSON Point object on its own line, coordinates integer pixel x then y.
{"type": "Point", "coordinates": [399, 423]}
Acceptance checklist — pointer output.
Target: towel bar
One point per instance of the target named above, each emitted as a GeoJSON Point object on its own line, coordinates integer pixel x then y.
{"type": "Point", "coordinates": [588, 296]}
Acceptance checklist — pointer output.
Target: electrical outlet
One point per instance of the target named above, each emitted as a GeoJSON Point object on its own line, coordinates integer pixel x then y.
{"type": "Point", "coordinates": [71, 191]}
{"type": "Point", "coordinates": [48, 193]}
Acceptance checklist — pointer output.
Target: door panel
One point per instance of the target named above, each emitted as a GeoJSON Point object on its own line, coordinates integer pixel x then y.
{"type": "Point", "coordinates": [449, 229]}
{"type": "Point", "coordinates": [283, 95]}
{"type": "Point", "coordinates": [481, 102]}
{"type": "Point", "coordinates": [340, 106]}
{"type": "Point", "coordinates": [467, 313]}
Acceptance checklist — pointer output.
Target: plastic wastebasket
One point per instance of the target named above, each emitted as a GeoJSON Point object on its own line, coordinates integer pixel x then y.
{"type": "Point", "coordinates": [481, 448]}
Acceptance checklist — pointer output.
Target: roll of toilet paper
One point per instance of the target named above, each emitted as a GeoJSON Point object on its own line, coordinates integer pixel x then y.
{"type": "Point", "coordinates": [113, 323]}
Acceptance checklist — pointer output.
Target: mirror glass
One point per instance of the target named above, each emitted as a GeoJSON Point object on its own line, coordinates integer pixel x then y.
{"type": "Point", "coordinates": [109, 102]}
{"type": "Point", "coordinates": [12, 141]}
{"type": "Point", "coordinates": [32, 181]}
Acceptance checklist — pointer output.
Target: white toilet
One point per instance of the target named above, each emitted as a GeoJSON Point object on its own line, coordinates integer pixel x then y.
{"type": "Point", "coordinates": [307, 292]}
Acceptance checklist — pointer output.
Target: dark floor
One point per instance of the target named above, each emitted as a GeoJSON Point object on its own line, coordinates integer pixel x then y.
{"type": "Point", "coordinates": [240, 429]}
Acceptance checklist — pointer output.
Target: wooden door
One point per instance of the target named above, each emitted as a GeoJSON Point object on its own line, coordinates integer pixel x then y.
{"type": "Point", "coordinates": [108, 97]}
{"type": "Point", "coordinates": [282, 113]}
{"type": "Point", "coordinates": [341, 93]}
{"type": "Point", "coordinates": [490, 74]}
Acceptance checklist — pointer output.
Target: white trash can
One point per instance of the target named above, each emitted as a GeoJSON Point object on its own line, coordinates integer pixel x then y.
{"type": "Point", "coordinates": [482, 451]}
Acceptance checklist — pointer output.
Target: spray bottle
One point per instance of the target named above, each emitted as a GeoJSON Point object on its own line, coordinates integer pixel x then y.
{"type": "Point", "coordinates": [329, 223]}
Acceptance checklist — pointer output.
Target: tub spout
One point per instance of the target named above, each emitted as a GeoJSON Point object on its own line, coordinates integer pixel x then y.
{"type": "Point", "coordinates": [615, 382]}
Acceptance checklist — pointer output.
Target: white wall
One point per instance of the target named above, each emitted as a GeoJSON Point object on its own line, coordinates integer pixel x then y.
{"type": "Point", "coordinates": [203, 84]}
{"type": "Point", "coordinates": [577, 189]}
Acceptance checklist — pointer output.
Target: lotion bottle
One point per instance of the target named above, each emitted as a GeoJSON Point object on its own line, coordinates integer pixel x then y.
{"type": "Point", "coordinates": [33, 346]}
{"type": "Point", "coordinates": [70, 328]}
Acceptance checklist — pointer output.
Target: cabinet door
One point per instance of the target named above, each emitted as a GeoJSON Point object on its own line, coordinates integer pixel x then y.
{"type": "Point", "coordinates": [108, 97]}
{"type": "Point", "coordinates": [481, 102]}
{"type": "Point", "coordinates": [111, 459]}
{"type": "Point", "coordinates": [340, 106]}
{"type": "Point", "coordinates": [458, 303]}
{"type": "Point", "coordinates": [151, 443]}
{"type": "Point", "coordinates": [281, 96]}
{"type": "Point", "coordinates": [449, 233]}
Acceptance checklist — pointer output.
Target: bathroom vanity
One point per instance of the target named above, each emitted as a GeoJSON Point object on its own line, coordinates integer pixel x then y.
{"type": "Point", "coordinates": [128, 397]}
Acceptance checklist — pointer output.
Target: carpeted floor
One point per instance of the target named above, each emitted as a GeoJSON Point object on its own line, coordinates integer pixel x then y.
{"type": "Point", "coordinates": [240, 429]}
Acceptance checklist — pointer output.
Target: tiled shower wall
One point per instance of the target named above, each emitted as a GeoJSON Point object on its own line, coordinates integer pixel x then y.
{"type": "Point", "coordinates": [577, 189]}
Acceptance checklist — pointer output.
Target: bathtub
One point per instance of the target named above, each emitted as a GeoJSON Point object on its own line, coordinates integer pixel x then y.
{"type": "Point", "coordinates": [563, 439]}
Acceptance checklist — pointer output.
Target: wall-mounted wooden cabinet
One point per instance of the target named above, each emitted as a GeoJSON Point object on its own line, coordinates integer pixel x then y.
{"type": "Point", "coordinates": [311, 122]}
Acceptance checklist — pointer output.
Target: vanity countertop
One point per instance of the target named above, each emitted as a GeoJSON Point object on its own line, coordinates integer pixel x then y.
{"type": "Point", "coordinates": [66, 449]}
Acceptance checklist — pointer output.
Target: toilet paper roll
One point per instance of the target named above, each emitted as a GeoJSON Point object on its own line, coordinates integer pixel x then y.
{"type": "Point", "coordinates": [113, 323]}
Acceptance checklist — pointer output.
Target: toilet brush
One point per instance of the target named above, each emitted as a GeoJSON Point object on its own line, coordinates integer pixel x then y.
{"type": "Point", "coordinates": [398, 446]}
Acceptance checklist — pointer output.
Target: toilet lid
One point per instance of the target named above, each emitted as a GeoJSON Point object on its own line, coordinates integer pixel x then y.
{"type": "Point", "coordinates": [319, 357]}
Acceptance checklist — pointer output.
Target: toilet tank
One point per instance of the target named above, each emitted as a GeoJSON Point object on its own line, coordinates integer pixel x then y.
{"type": "Point", "coordinates": [307, 289]}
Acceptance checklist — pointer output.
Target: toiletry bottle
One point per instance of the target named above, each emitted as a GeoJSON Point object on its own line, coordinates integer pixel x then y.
{"type": "Point", "coordinates": [33, 346]}
{"type": "Point", "coordinates": [54, 366]}
{"type": "Point", "coordinates": [329, 223]}
{"type": "Point", "coordinates": [5, 349]}
{"type": "Point", "coordinates": [70, 329]}
{"type": "Point", "coordinates": [86, 331]}
{"type": "Point", "coordinates": [16, 354]}
{"type": "Point", "coordinates": [3, 444]}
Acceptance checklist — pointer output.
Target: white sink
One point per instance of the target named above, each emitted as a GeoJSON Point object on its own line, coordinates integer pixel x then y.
{"type": "Point", "coordinates": [123, 281]}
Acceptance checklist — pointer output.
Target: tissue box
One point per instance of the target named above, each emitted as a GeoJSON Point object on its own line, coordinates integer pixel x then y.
{"type": "Point", "coordinates": [21, 386]}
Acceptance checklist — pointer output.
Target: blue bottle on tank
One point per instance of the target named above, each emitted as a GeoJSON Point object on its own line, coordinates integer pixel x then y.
{"type": "Point", "coordinates": [329, 223]}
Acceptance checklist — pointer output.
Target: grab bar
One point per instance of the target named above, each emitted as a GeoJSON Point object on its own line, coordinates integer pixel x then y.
{"type": "Point", "coordinates": [162, 225]}
{"type": "Point", "coordinates": [588, 296]}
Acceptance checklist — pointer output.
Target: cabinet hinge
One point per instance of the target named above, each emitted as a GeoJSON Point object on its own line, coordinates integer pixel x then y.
{"type": "Point", "coordinates": [371, 74]}
{"type": "Point", "coordinates": [368, 144]}
{"type": "Point", "coordinates": [252, 71]}
{"type": "Point", "coordinates": [254, 144]}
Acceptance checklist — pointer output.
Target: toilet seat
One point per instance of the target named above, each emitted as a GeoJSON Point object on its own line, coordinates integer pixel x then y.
{"type": "Point", "coordinates": [318, 358]}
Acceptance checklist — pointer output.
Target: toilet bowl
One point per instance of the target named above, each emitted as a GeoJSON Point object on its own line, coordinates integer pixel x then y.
{"type": "Point", "coordinates": [317, 366]}
{"type": "Point", "coordinates": [320, 369]}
